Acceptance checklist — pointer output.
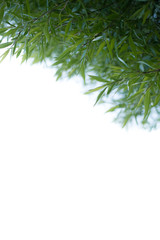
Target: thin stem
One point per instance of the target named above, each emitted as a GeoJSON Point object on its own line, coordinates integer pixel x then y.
{"type": "Point", "coordinates": [152, 71]}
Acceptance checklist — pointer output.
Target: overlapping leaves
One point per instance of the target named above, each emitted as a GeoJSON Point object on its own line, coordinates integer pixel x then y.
{"type": "Point", "coordinates": [115, 42]}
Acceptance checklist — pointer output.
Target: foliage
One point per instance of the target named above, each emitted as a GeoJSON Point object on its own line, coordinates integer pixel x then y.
{"type": "Point", "coordinates": [117, 41]}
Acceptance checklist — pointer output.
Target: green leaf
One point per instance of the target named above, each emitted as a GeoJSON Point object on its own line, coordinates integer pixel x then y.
{"type": "Point", "coordinates": [97, 38]}
{"type": "Point", "coordinates": [26, 46]}
{"type": "Point", "coordinates": [110, 88]}
{"type": "Point", "coordinates": [115, 107]}
{"type": "Point", "coordinates": [67, 28]}
{"type": "Point", "coordinates": [14, 48]}
{"type": "Point", "coordinates": [132, 45]}
{"type": "Point", "coordinates": [145, 80]}
{"type": "Point", "coordinates": [4, 55]}
{"type": "Point", "coordinates": [3, 45]}
{"type": "Point", "coordinates": [35, 29]}
{"type": "Point", "coordinates": [99, 79]}
{"type": "Point", "coordinates": [65, 53]}
{"type": "Point", "coordinates": [121, 42]}
{"type": "Point", "coordinates": [140, 101]}
{"type": "Point", "coordinates": [146, 15]}
{"type": "Point", "coordinates": [2, 30]}
{"type": "Point", "coordinates": [11, 32]}
{"type": "Point", "coordinates": [2, 7]}
{"type": "Point", "coordinates": [18, 53]}
{"type": "Point", "coordinates": [82, 71]}
{"type": "Point", "coordinates": [100, 95]}
{"type": "Point", "coordinates": [84, 54]}
{"type": "Point", "coordinates": [126, 119]}
{"type": "Point", "coordinates": [46, 32]}
{"type": "Point", "coordinates": [157, 99]}
{"type": "Point", "coordinates": [28, 7]}
{"type": "Point", "coordinates": [95, 89]}
{"type": "Point", "coordinates": [116, 68]}
{"type": "Point", "coordinates": [101, 46]}
{"type": "Point", "coordinates": [146, 64]}
{"type": "Point", "coordinates": [110, 45]}
{"type": "Point", "coordinates": [35, 37]}
{"type": "Point", "coordinates": [136, 94]}
{"type": "Point", "coordinates": [137, 14]}
{"type": "Point", "coordinates": [146, 102]}
{"type": "Point", "coordinates": [121, 60]}
{"type": "Point", "coordinates": [19, 50]}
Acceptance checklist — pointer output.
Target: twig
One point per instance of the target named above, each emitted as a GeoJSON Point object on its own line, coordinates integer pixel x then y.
{"type": "Point", "coordinates": [64, 6]}
{"type": "Point", "coordinates": [34, 20]}
{"type": "Point", "coordinates": [156, 70]}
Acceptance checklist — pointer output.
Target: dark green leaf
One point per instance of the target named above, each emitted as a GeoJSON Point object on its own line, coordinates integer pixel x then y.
{"type": "Point", "coordinates": [146, 102]}
{"type": "Point", "coordinates": [3, 45]}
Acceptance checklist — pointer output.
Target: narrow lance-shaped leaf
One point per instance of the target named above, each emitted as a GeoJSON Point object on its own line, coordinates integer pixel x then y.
{"type": "Point", "coordinates": [46, 32]}
{"type": "Point", "coordinates": [140, 101]}
{"type": "Point", "coordinates": [132, 45]}
{"type": "Point", "coordinates": [121, 60]}
{"type": "Point", "coordinates": [95, 89]}
{"type": "Point", "coordinates": [82, 71]}
{"type": "Point", "coordinates": [146, 64]}
{"type": "Point", "coordinates": [157, 100]}
{"type": "Point", "coordinates": [146, 15]}
{"type": "Point", "coordinates": [2, 7]}
{"type": "Point", "coordinates": [126, 119]}
{"type": "Point", "coordinates": [109, 48]}
{"type": "Point", "coordinates": [35, 37]}
{"type": "Point", "coordinates": [101, 46]}
{"type": "Point", "coordinates": [4, 55]}
{"type": "Point", "coordinates": [3, 45]}
{"type": "Point", "coordinates": [100, 95]}
{"type": "Point", "coordinates": [26, 45]}
{"type": "Point", "coordinates": [115, 107]}
{"type": "Point", "coordinates": [146, 102]}
{"type": "Point", "coordinates": [99, 79]}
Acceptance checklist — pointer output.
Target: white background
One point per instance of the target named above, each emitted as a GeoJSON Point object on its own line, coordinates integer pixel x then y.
{"type": "Point", "coordinates": [66, 171]}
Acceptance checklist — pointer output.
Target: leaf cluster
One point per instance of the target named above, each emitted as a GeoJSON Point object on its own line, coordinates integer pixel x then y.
{"type": "Point", "coordinates": [112, 43]}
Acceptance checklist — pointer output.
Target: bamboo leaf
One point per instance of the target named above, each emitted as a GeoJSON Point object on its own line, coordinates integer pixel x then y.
{"type": "Point", "coordinates": [132, 45]}
{"type": "Point", "coordinates": [157, 100]}
{"type": "Point", "coordinates": [146, 102]}
{"type": "Point", "coordinates": [46, 32]}
{"type": "Point", "coordinates": [101, 46]}
{"type": "Point", "coordinates": [100, 95]}
{"type": "Point", "coordinates": [137, 14]}
{"type": "Point", "coordinates": [146, 64]}
{"type": "Point", "coordinates": [95, 89]}
{"type": "Point", "coordinates": [127, 118]}
{"type": "Point", "coordinates": [2, 7]}
{"type": "Point", "coordinates": [26, 46]}
{"type": "Point", "coordinates": [136, 94]}
{"type": "Point", "coordinates": [4, 55]}
{"type": "Point", "coordinates": [140, 101]}
{"type": "Point", "coordinates": [35, 37]}
{"type": "Point", "coordinates": [110, 88]}
{"type": "Point", "coordinates": [2, 30]}
{"type": "Point", "coordinates": [28, 6]}
{"type": "Point", "coordinates": [146, 15]}
{"type": "Point", "coordinates": [115, 107]}
{"type": "Point", "coordinates": [82, 71]}
{"type": "Point", "coordinates": [3, 45]}
{"type": "Point", "coordinates": [121, 60]}
{"type": "Point", "coordinates": [109, 49]}
{"type": "Point", "coordinates": [67, 28]}
{"type": "Point", "coordinates": [99, 79]}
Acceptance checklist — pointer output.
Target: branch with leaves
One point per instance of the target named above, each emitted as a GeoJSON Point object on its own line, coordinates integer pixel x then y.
{"type": "Point", "coordinates": [113, 45]}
